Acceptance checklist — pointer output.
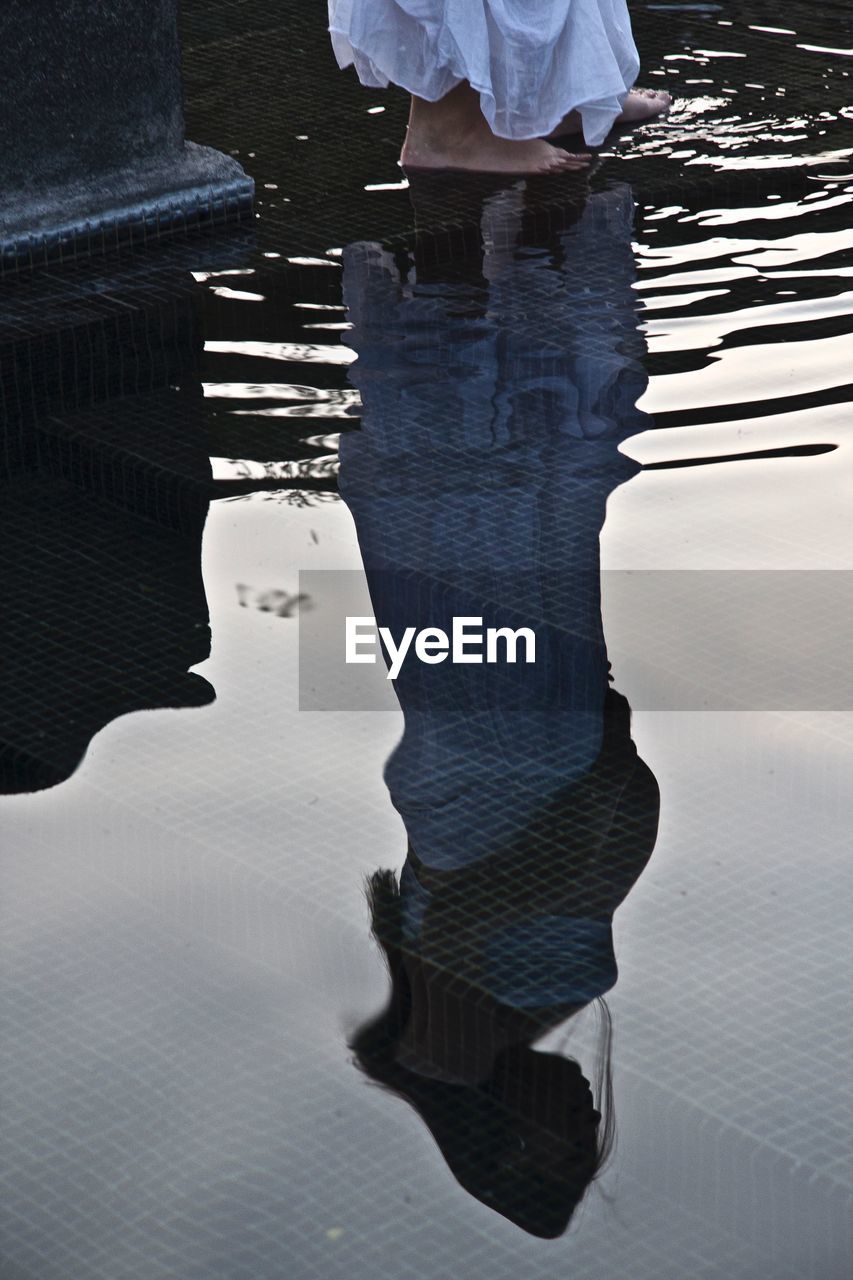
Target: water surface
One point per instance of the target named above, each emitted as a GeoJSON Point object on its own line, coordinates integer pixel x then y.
{"type": "Point", "coordinates": [646, 377]}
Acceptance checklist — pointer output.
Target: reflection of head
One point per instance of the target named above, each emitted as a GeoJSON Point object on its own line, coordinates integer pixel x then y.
{"type": "Point", "coordinates": [518, 1129]}
{"type": "Point", "coordinates": [486, 958]}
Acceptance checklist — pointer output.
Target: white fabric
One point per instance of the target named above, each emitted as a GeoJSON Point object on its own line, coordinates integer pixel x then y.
{"type": "Point", "coordinates": [531, 61]}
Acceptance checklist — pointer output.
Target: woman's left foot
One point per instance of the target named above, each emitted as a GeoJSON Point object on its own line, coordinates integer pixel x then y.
{"type": "Point", "coordinates": [640, 104]}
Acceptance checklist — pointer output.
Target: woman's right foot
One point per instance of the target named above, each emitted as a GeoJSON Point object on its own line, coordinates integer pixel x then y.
{"type": "Point", "coordinates": [454, 134]}
{"type": "Point", "coordinates": [495, 155]}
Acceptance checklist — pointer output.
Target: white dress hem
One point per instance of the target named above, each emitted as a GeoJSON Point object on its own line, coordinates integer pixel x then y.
{"type": "Point", "coordinates": [572, 55]}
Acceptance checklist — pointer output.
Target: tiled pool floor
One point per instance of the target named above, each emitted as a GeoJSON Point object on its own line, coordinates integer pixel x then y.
{"type": "Point", "coordinates": [186, 938]}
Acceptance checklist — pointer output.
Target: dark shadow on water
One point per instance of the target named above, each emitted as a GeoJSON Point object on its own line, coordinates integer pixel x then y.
{"type": "Point", "coordinates": [105, 489]}
{"type": "Point", "coordinates": [103, 615]}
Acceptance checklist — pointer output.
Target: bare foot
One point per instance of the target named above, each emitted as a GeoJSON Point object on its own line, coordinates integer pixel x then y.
{"type": "Point", "coordinates": [640, 104]}
{"type": "Point", "coordinates": [454, 134]}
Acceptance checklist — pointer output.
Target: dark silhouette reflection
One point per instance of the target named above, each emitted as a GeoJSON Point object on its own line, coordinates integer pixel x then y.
{"type": "Point", "coordinates": [496, 391]}
{"type": "Point", "coordinates": [105, 479]}
{"type": "Point", "coordinates": [104, 614]}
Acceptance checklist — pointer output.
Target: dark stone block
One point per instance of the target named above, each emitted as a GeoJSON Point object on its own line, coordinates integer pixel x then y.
{"type": "Point", "coordinates": [88, 87]}
{"type": "Point", "coordinates": [92, 124]}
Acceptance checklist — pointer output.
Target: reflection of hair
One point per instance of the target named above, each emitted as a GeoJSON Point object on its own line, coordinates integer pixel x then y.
{"type": "Point", "coordinates": [526, 1140]}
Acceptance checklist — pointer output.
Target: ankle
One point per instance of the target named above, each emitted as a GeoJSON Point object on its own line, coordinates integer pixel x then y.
{"type": "Point", "coordinates": [455, 119]}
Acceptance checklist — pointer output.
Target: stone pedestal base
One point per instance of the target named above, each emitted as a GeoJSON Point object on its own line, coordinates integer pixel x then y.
{"type": "Point", "coordinates": [92, 149]}
{"type": "Point", "coordinates": [141, 202]}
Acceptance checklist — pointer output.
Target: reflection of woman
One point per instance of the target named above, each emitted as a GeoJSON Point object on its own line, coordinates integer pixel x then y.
{"type": "Point", "coordinates": [493, 408]}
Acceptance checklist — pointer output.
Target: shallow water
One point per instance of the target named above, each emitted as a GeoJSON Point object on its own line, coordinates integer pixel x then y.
{"type": "Point", "coordinates": [618, 411]}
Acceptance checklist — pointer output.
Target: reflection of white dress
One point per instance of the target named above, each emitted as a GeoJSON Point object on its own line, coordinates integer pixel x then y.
{"type": "Point", "coordinates": [531, 61]}
{"type": "Point", "coordinates": [478, 481]}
